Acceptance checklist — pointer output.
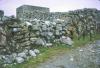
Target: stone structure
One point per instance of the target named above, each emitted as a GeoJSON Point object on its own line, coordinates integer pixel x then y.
{"type": "Point", "coordinates": [58, 15]}
{"type": "Point", "coordinates": [1, 14]}
{"type": "Point", "coordinates": [28, 12]}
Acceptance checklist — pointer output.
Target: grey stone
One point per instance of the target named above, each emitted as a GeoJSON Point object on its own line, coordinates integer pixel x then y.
{"type": "Point", "coordinates": [36, 51]}
{"type": "Point", "coordinates": [35, 27]}
{"type": "Point", "coordinates": [47, 23]}
{"type": "Point", "coordinates": [32, 53]}
{"type": "Point", "coordinates": [23, 55]}
{"type": "Point", "coordinates": [58, 27]}
{"type": "Point", "coordinates": [66, 40]}
{"type": "Point", "coordinates": [40, 42]}
{"type": "Point", "coordinates": [50, 33]}
{"type": "Point", "coordinates": [8, 59]}
{"type": "Point", "coordinates": [28, 23]}
{"type": "Point", "coordinates": [19, 59]}
{"type": "Point", "coordinates": [32, 12]}
{"type": "Point", "coordinates": [14, 29]}
{"type": "Point", "coordinates": [25, 51]}
{"type": "Point", "coordinates": [14, 55]}
{"type": "Point", "coordinates": [2, 37]}
{"type": "Point", "coordinates": [44, 27]}
{"type": "Point", "coordinates": [57, 32]}
{"type": "Point", "coordinates": [48, 44]}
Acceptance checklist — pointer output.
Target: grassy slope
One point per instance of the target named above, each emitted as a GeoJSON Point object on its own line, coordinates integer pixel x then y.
{"type": "Point", "coordinates": [47, 53]}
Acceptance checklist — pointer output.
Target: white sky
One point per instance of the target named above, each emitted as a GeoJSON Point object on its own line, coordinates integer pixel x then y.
{"type": "Point", "coordinates": [9, 6]}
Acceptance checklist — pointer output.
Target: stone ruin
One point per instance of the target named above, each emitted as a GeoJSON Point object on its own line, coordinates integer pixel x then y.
{"type": "Point", "coordinates": [17, 40]}
{"type": "Point", "coordinates": [20, 39]}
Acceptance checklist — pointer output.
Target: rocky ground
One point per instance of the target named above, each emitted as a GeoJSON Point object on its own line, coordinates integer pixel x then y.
{"type": "Point", "coordinates": [84, 57]}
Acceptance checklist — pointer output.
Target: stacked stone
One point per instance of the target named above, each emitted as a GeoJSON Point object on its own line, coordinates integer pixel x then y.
{"type": "Point", "coordinates": [46, 31]}
{"type": "Point", "coordinates": [28, 12]}
{"type": "Point", "coordinates": [19, 57]}
{"type": "Point", "coordinates": [2, 40]}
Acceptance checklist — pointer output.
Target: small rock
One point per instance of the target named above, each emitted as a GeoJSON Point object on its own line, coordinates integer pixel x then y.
{"type": "Point", "coordinates": [14, 55]}
{"type": "Point", "coordinates": [28, 23]}
{"type": "Point", "coordinates": [40, 42]}
{"type": "Point", "coordinates": [36, 51]}
{"type": "Point", "coordinates": [81, 50]}
{"type": "Point", "coordinates": [32, 53]}
{"type": "Point", "coordinates": [71, 58]}
{"type": "Point", "coordinates": [92, 51]}
{"type": "Point", "coordinates": [8, 59]}
{"type": "Point", "coordinates": [66, 40]}
{"type": "Point", "coordinates": [25, 51]}
{"type": "Point", "coordinates": [48, 44]}
{"type": "Point", "coordinates": [3, 57]}
{"type": "Point", "coordinates": [19, 59]}
{"type": "Point", "coordinates": [23, 55]}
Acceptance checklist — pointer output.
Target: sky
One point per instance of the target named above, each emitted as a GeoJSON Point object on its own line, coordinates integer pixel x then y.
{"type": "Point", "coordinates": [9, 6]}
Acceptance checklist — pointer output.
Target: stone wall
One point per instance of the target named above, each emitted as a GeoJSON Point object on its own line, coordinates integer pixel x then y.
{"type": "Point", "coordinates": [27, 12]}
{"type": "Point", "coordinates": [58, 15]}
{"type": "Point", "coordinates": [1, 14]}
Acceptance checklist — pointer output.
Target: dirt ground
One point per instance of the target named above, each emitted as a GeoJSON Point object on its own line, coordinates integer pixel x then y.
{"type": "Point", "coordinates": [81, 57]}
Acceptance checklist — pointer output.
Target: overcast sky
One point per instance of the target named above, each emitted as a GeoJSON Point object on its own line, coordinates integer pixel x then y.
{"type": "Point", "coordinates": [9, 6]}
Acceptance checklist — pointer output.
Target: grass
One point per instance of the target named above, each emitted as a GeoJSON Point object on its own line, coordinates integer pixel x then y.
{"type": "Point", "coordinates": [47, 53]}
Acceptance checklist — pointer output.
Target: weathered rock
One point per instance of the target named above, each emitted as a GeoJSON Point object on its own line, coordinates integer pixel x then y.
{"type": "Point", "coordinates": [25, 51]}
{"type": "Point", "coordinates": [35, 27]}
{"type": "Point", "coordinates": [81, 50]}
{"type": "Point", "coordinates": [36, 51]}
{"type": "Point", "coordinates": [57, 32]}
{"type": "Point", "coordinates": [66, 40]}
{"type": "Point", "coordinates": [47, 23]}
{"type": "Point", "coordinates": [71, 58]}
{"type": "Point", "coordinates": [44, 27]}
{"type": "Point", "coordinates": [32, 53]}
{"type": "Point", "coordinates": [14, 55]}
{"type": "Point", "coordinates": [8, 59]}
{"type": "Point", "coordinates": [28, 42]}
{"type": "Point", "coordinates": [2, 37]}
{"type": "Point", "coordinates": [50, 33]}
{"type": "Point", "coordinates": [28, 23]}
{"type": "Point", "coordinates": [15, 29]}
{"type": "Point", "coordinates": [48, 44]}
{"type": "Point", "coordinates": [23, 55]}
{"type": "Point", "coordinates": [40, 42]}
{"type": "Point", "coordinates": [19, 59]}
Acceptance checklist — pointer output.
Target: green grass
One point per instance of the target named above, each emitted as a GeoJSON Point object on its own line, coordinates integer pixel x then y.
{"type": "Point", "coordinates": [47, 53]}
